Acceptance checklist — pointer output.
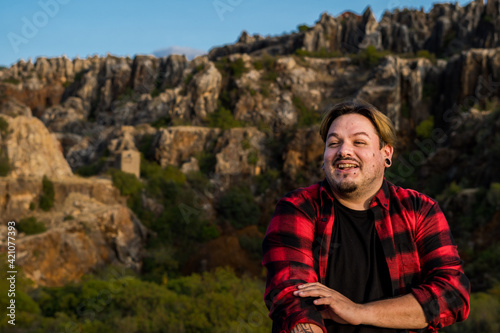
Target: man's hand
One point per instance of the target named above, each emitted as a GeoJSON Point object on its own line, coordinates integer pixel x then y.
{"type": "Point", "coordinates": [340, 308]}
{"type": "Point", "coordinates": [401, 312]}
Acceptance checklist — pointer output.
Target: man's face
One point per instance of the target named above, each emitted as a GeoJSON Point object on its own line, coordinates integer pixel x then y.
{"type": "Point", "coordinates": [354, 162]}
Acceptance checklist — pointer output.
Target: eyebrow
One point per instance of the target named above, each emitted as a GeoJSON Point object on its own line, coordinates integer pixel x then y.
{"type": "Point", "coordinates": [355, 134]}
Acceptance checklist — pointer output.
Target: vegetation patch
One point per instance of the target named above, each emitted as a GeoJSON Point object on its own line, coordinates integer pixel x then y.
{"type": "Point", "coordinates": [11, 80]}
{"type": "Point", "coordinates": [323, 53]}
{"type": "Point", "coordinates": [424, 129]}
{"type": "Point", "coordinates": [223, 118]}
{"type": "Point", "coordinates": [30, 226]}
{"type": "Point", "coordinates": [238, 207]}
{"type": "Point", "coordinates": [92, 169]}
{"type": "Point", "coordinates": [48, 194]}
{"type": "Point", "coordinates": [369, 57]}
{"type": "Point", "coordinates": [306, 117]}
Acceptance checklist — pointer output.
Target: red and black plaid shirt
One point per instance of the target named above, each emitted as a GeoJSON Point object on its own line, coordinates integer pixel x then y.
{"type": "Point", "coordinates": [419, 249]}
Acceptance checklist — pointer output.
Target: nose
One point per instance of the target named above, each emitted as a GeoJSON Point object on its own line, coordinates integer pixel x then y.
{"type": "Point", "coordinates": [344, 149]}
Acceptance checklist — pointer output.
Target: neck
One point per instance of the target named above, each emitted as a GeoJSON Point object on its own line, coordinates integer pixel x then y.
{"type": "Point", "coordinates": [357, 200]}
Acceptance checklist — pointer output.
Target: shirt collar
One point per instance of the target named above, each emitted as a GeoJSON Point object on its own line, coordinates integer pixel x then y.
{"type": "Point", "coordinates": [382, 196]}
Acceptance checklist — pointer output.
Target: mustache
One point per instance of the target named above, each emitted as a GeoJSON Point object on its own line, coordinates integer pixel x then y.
{"type": "Point", "coordinates": [345, 159]}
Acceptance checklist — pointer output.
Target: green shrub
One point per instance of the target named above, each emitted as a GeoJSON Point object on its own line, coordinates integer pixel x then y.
{"type": "Point", "coordinates": [424, 129]}
{"type": "Point", "coordinates": [493, 194]}
{"type": "Point", "coordinates": [125, 182]}
{"type": "Point", "coordinates": [145, 146]}
{"type": "Point", "coordinates": [238, 207]}
{"type": "Point", "coordinates": [306, 116]}
{"type": "Point", "coordinates": [32, 206]}
{"type": "Point", "coordinates": [4, 126]}
{"type": "Point", "coordinates": [223, 119]}
{"type": "Point", "coordinates": [4, 163]}
{"type": "Point", "coordinates": [426, 54]}
{"type": "Point", "coordinates": [323, 53]}
{"type": "Point", "coordinates": [11, 80]}
{"type": "Point", "coordinates": [48, 194]}
{"type": "Point", "coordinates": [271, 75]}
{"type": "Point", "coordinates": [252, 245]}
{"type": "Point", "coordinates": [428, 90]}
{"type": "Point", "coordinates": [237, 68]}
{"type": "Point", "coordinates": [266, 179]}
{"type": "Point", "coordinates": [245, 144]}
{"type": "Point", "coordinates": [162, 122]}
{"type": "Point", "coordinates": [92, 169]}
{"type": "Point", "coordinates": [369, 57]}
{"type": "Point", "coordinates": [302, 28]}
{"type": "Point", "coordinates": [207, 161]}
{"type": "Point", "coordinates": [30, 226]}
{"type": "Point", "coordinates": [79, 75]}
{"type": "Point", "coordinates": [127, 304]}
{"type": "Point", "coordinates": [253, 157]}
{"type": "Point", "coordinates": [188, 79]}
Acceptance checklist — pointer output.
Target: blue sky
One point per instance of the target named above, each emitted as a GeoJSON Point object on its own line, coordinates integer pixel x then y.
{"type": "Point", "coordinates": [52, 28]}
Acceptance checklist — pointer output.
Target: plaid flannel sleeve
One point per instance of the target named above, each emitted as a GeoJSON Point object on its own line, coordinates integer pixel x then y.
{"type": "Point", "coordinates": [444, 293]}
{"type": "Point", "coordinates": [288, 257]}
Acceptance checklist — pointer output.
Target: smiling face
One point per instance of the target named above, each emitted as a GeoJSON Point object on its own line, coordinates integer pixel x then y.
{"type": "Point", "coordinates": [354, 163]}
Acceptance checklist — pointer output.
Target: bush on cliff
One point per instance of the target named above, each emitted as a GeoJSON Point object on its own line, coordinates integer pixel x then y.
{"type": "Point", "coordinates": [48, 194]}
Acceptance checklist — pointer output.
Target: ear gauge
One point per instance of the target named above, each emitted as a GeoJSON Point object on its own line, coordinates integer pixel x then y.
{"type": "Point", "coordinates": [388, 162]}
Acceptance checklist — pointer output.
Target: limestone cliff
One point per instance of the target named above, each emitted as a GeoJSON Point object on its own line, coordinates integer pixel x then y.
{"type": "Point", "coordinates": [247, 114]}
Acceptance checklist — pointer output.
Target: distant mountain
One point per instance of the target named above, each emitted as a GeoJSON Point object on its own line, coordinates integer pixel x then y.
{"type": "Point", "coordinates": [189, 52]}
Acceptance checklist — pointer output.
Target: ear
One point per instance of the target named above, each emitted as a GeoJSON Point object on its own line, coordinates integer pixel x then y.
{"type": "Point", "coordinates": [387, 151]}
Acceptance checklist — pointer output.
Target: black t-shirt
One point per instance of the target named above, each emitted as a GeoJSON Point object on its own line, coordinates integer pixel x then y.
{"type": "Point", "coordinates": [356, 265]}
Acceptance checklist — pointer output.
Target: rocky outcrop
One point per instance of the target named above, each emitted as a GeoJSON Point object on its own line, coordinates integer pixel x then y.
{"type": "Point", "coordinates": [241, 151]}
{"type": "Point", "coordinates": [84, 235]}
{"type": "Point", "coordinates": [304, 155]}
{"type": "Point", "coordinates": [17, 195]}
{"type": "Point", "coordinates": [177, 145]}
{"type": "Point", "coordinates": [33, 151]}
{"type": "Point", "coordinates": [447, 29]}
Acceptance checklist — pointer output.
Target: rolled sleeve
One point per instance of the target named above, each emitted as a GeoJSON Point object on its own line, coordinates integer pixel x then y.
{"type": "Point", "coordinates": [288, 257]}
{"type": "Point", "coordinates": [445, 292]}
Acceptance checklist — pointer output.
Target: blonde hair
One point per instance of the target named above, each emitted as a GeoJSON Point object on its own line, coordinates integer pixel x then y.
{"type": "Point", "coordinates": [383, 125]}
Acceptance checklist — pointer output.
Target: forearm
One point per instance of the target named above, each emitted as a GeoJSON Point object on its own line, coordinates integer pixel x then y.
{"type": "Point", "coordinates": [401, 313]}
{"type": "Point", "coordinates": [306, 328]}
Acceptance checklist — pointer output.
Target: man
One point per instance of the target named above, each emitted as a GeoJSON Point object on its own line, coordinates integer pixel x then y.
{"type": "Point", "coordinates": [355, 253]}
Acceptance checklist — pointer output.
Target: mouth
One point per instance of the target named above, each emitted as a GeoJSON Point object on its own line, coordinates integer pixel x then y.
{"type": "Point", "coordinates": [345, 165]}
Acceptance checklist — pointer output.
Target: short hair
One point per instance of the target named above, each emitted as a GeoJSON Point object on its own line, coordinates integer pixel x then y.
{"type": "Point", "coordinates": [383, 125]}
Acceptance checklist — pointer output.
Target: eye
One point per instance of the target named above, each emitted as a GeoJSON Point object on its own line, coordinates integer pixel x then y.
{"type": "Point", "coordinates": [333, 144]}
{"type": "Point", "coordinates": [359, 143]}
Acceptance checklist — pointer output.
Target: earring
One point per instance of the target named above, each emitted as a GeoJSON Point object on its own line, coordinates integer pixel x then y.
{"type": "Point", "coordinates": [388, 162]}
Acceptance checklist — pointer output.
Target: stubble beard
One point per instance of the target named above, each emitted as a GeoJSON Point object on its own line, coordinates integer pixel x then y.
{"type": "Point", "coordinates": [344, 187]}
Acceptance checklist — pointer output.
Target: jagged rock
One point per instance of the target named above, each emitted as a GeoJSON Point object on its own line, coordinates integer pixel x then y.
{"type": "Point", "coordinates": [205, 88]}
{"type": "Point", "coordinates": [144, 73]}
{"type": "Point", "coordinates": [191, 166]}
{"type": "Point", "coordinates": [241, 151]}
{"type": "Point", "coordinates": [176, 145]}
{"type": "Point", "coordinates": [59, 118]}
{"type": "Point", "coordinates": [326, 34]}
{"type": "Point", "coordinates": [304, 154]}
{"type": "Point", "coordinates": [97, 234]}
{"type": "Point", "coordinates": [14, 108]}
{"type": "Point", "coordinates": [17, 194]}
{"type": "Point", "coordinates": [33, 151]}
{"type": "Point", "coordinates": [124, 140]}
{"type": "Point", "coordinates": [396, 88]}
{"type": "Point", "coordinates": [171, 71]}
